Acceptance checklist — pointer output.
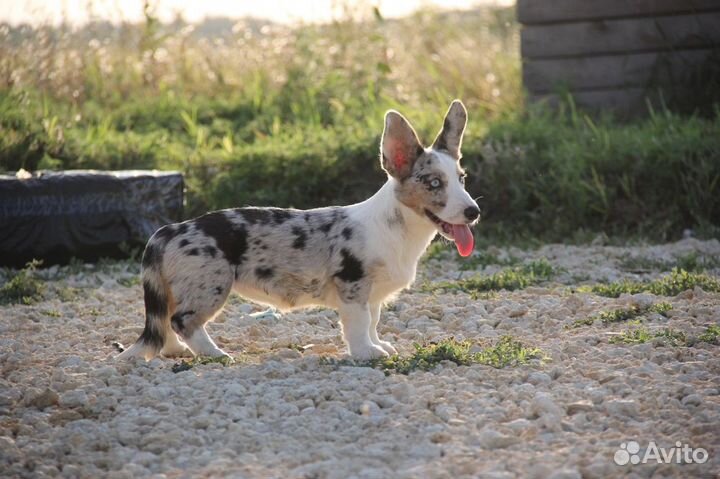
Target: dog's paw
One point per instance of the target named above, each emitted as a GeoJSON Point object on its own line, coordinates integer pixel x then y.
{"type": "Point", "coordinates": [368, 352]}
{"type": "Point", "coordinates": [388, 348]}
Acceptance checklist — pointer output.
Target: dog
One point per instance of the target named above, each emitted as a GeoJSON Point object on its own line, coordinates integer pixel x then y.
{"type": "Point", "coordinates": [351, 258]}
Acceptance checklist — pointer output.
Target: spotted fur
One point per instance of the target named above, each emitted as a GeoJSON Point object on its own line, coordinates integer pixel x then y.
{"type": "Point", "coordinates": [351, 258]}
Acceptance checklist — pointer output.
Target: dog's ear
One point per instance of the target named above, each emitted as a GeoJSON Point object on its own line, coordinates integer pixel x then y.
{"type": "Point", "coordinates": [450, 137]}
{"type": "Point", "coordinates": [399, 147]}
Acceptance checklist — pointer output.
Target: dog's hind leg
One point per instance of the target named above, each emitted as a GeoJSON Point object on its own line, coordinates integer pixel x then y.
{"type": "Point", "coordinates": [355, 320]}
{"type": "Point", "coordinates": [173, 347]}
{"type": "Point", "coordinates": [375, 312]}
{"type": "Point", "coordinates": [199, 299]}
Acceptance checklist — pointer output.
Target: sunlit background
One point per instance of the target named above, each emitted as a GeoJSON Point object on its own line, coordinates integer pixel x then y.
{"type": "Point", "coordinates": [77, 12]}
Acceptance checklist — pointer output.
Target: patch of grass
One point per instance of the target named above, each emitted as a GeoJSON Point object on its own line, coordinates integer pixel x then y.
{"type": "Point", "coordinates": [129, 282]}
{"type": "Point", "coordinates": [632, 336]}
{"type": "Point", "coordinates": [672, 337]}
{"type": "Point", "coordinates": [672, 284]}
{"type": "Point", "coordinates": [669, 336]}
{"type": "Point", "coordinates": [293, 119]}
{"type": "Point", "coordinates": [186, 365]}
{"type": "Point", "coordinates": [680, 280]}
{"type": "Point", "coordinates": [622, 315]}
{"type": "Point", "coordinates": [711, 334]}
{"type": "Point", "coordinates": [691, 262]}
{"type": "Point", "coordinates": [509, 279]}
{"type": "Point", "coordinates": [506, 352]}
{"type": "Point", "coordinates": [437, 250]}
{"type": "Point", "coordinates": [67, 293]}
{"type": "Point", "coordinates": [24, 287]}
{"type": "Point", "coordinates": [53, 313]}
{"type": "Point", "coordinates": [482, 259]}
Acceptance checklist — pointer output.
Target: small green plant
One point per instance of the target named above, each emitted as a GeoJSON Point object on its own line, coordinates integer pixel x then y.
{"type": "Point", "coordinates": [680, 280]}
{"type": "Point", "coordinates": [67, 293]}
{"type": "Point", "coordinates": [672, 337]}
{"type": "Point", "coordinates": [436, 250]}
{"type": "Point", "coordinates": [186, 365]}
{"type": "Point", "coordinates": [632, 336]}
{"type": "Point", "coordinates": [509, 279]}
{"type": "Point", "coordinates": [669, 336]}
{"type": "Point", "coordinates": [711, 334]}
{"type": "Point", "coordinates": [622, 315]}
{"type": "Point", "coordinates": [672, 284]}
{"type": "Point", "coordinates": [24, 287]}
{"type": "Point", "coordinates": [129, 282]}
{"type": "Point", "coordinates": [482, 259]}
{"type": "Point", "coordinates": [691, 262]}
{"type": "Point", "coordinates": [53, 313]}
{"type": "Point", "coordinates": [506, 352]}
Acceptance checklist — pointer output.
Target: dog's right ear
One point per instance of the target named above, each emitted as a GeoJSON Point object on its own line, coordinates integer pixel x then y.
{"type": "Point", "coordinates": [399, 147]}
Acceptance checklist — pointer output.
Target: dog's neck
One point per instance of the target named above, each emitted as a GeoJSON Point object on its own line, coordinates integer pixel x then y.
{"type": "Point", "coordinates": [404, 233]}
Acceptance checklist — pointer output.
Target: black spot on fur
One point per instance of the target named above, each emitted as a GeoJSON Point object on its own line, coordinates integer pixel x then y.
{"type": "Point", "coordinates": [152, 255]}
{"type": "Point", "coordinates": [280, 216]}
{"type": "Point", "coordinates": [166, 233]}
{"type": "Point", "coordinates": [177, 322]}
{"type": "Point", "coordinates": [230, 238]}
{"type": "Point", "coordinates": [182, 229]}
{"type": "Point", "coordinates": [257, 242]}
{"type": "Point", "coordinates": [193, 252]}
{"type": "Point", "coordinates": [218, 290]}
{"type": "Point", "coordinates": [264, 273]}
{"type": "Point", "coordinates": [211, 250]}
{"type": "Point", "coordinates": [347, 232]}
{"type": "Point", "coordinates": [326, 227]}
{"type": "Point", "coordinates": [255, 215]}
{"type": "Point", "coordinates": [184, 242]}
{"type": "Point", "coordinates": [307, 217]}
{"type": "Point", "coordinates": [156, 310]}
{"type": "Point", "coordinates": [396, 219]}
{"type": "Point", "coordinates": [300, 237]}
{"type": "Point", "coordinates": [351, 267]}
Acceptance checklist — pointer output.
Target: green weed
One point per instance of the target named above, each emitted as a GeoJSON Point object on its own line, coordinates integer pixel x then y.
{"type": "Point", "coordinates": [482, 259]}
{"type": "Point", "coordinates": [506, 352]}
{"type": "Point", "coordinates": [622, 315]}
{"type": "Point", "coordinates": [690, 262]}
{"type": "Point", "coordinates": [711, 334]}
{"type": "Point", "coordinates": [669, 336]}
{"type": "Point", "coordinates": [186, 365]}
{"type": "Point", "coordinates": [508, 279]}
{"type": "Point", "coordinates": [23, 287]}
{"type": "Point", "coordinates": [669, 285]}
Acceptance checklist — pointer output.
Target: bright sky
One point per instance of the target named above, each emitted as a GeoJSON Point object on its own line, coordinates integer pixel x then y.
{"type": "Point", "coordinates": [285, 11]}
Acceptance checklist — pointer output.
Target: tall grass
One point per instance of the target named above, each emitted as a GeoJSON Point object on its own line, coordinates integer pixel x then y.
{"type": "Point", "coordinates": [259, 113]}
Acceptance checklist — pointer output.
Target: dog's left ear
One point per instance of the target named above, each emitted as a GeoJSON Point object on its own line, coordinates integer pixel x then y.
{"type": "Point", "coordinates": [399, 147]}
{"type": "Point", "coordinates": [450, 137]}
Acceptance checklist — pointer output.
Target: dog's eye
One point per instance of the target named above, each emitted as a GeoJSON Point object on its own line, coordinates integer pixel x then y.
{"type": "Point", "coordinates": [435, 183]}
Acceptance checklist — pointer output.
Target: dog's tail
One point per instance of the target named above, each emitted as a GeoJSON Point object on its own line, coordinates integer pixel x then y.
{"type": "Point", "coordinates": [157, 302]}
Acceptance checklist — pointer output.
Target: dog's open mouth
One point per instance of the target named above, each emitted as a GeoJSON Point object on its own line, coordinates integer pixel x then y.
{"type": "Point", "coordinates": [460, 234]}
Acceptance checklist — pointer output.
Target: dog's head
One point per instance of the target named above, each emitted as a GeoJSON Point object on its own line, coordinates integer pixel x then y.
{"type": "Point", "coordinates": [431, 181]}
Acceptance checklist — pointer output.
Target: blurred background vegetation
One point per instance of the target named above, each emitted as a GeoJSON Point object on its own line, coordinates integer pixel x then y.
{"type": "Point", "coordinates": [259, 113]}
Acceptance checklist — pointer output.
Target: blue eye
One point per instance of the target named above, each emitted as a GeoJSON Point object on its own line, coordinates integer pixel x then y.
{"type": "Point", "coordinates": [435, 183]}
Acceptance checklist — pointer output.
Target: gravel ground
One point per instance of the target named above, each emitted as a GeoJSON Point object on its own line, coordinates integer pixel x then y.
{"type": "Point", "coordinates": [66, 409]}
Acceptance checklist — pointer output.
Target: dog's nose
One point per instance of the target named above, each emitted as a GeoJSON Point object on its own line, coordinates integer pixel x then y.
{"type": "Point", "coordinates": [472, 213]}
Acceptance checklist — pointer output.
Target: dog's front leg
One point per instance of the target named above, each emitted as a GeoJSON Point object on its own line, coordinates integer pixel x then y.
{"type": "Point", "coordinates": [355, 319]}
{"type": "Point", "coordinates": [375, 312]}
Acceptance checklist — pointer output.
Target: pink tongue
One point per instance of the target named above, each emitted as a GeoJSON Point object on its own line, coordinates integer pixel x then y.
{"type": "Point", "coordinates": [464, 240]}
